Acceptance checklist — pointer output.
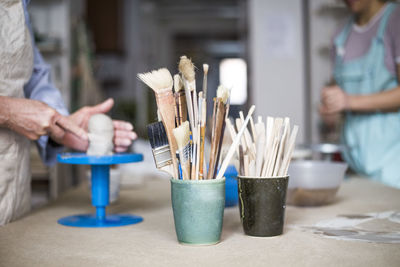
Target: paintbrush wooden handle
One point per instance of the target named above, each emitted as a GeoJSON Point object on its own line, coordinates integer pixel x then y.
{"type": "Point", "coordinates": [221, 124]}
{"type": "Point", "coordinates": [182, 106]}
{"type": "Point", "coordinates": [178, 120]}
{"type": "Point", "coordinates": [213, 133]}
{"type": "Point", "coordinates": [165, 103]}
{"type": "Point", "coordinates": [201, 163]}
{"type": "Point", "coordinates": [189, 104]}
{"type": "Point", "coordinates": [216, 139]}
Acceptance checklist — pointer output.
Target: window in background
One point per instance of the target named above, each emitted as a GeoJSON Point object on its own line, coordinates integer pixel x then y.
{"type": "Point", "coordinates": [233, 75]}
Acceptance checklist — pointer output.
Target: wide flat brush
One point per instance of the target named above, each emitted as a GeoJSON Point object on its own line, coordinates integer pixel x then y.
{"type": "Point", "coordinates": [160, 147]}
{"type": "Point", "coordinates": [160, 81]}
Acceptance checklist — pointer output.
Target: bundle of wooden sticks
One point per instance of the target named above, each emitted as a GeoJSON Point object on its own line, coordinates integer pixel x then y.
{"type": "Point", "coordinates": [267, 150]}
{"type": "Point", "coordinates": [182, 122]}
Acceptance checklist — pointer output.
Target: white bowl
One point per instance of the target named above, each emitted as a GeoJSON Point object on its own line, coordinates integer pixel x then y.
{"type": "Point", "coordinates": [313, 183]}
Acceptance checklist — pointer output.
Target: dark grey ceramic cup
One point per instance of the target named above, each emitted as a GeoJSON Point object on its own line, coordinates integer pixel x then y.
{"type": "Point", "coordinates": [262, 203]}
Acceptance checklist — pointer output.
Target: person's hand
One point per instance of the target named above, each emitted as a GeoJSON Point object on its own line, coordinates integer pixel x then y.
{"type": "Point", "coordinates": [33, 119]}
{"type": "Point", "coordinates": [334, 100]}
{"type": "Point", "coordinates": [123, 131]}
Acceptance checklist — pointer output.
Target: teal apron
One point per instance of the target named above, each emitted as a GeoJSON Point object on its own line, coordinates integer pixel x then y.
{"type": "Point", "coordinates": [373, 139]}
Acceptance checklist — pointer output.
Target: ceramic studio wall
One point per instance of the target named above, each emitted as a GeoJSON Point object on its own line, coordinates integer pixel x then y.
{"type": "Point", "coordinates": [277, 61]}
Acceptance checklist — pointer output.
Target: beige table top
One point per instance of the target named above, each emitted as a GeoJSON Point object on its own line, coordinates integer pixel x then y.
{"type": "Point", "coordinates": [37, 239]}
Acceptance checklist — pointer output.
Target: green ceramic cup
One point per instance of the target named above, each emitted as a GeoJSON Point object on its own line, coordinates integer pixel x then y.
{"type": "Point", "coordinates": [262, 203]}
{"type": "Point", "coordinates": [198, 207]}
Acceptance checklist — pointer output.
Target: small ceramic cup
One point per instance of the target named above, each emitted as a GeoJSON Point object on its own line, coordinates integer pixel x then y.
{"type": "Point", "coordinates": [198, 207]}
{"type": "Point", "coordinates": [262, 203]}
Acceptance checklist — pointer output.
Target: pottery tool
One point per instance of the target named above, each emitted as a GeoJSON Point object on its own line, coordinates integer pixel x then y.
{"type": "Point", "coordinates": [288, 155]}
{"type": "Point", "coordinates": [253, 130]}
{"type": "Point", "coordinates": [272, 146]}
{"type": "Point", "coordinates": [275, 145]}
{"type": "Point", "coordinates": [249, 141]}
{"type": "Point", "coordinates": [252, 168]}
{"type": "Point", "coordinates": [268, 140]}
{"type": "Point", "coordinates": [182, 136]}
{"type": "Point", "coordinates": [241, 160]}
{"type": "Point", "coordinates": [260, 133]}
{"type": "Point", "coordinates": [238, 124]}
{"type": "Point", "coordinates": [160, 147]}
{"type": "Point", "coordinates": [234, 145]}
{"type": "Point", "coordinates": [281, 148]}
{"type": "Point", "coordinates": [180, 101]}
{"type": "Point", "coordinates": [246, 165]}
{"type": "Point", "coordinates": [232, 133]}
{"type": "Point", "coordinates": [160, 81]}
{"type": "Point", "coordinates": [100, 181]}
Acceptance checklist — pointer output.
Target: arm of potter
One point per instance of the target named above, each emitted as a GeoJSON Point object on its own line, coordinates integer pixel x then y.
{"type": "Point", "coordinates": [41, 88]}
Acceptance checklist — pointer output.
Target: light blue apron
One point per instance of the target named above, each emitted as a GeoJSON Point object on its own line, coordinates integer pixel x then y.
{"type": "Point", "coordinates": [373, 138]}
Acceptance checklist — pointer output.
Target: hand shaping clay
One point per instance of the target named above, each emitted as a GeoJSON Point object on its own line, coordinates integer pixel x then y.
{"type": "Point", "coordinates": [101, 133]}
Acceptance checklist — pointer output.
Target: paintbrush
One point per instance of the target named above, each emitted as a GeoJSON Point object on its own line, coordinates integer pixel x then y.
{"type": "Point", "coordinates": [234, 145]}
{"type": "Point", "coordinates": [182, 137]}
{"type": "Point", "coordinates": [160, 147]}
{"type": "Point", "coordinates": [203, 119]}
{"type": "Point", "coordinates": [217, 129]}
{"type": "Point", "coordinates": [180, 100]}
{"type": "Point", "coordinates": [216, 136]}
{"type": "Point", "coordinates": [223, 93]}
{"type": "Point", "coordinates": [205, 70]}
{"type": "Point", "coordinates": [160, 81]}
{"type": "Point", "coordinates": [186, 68]}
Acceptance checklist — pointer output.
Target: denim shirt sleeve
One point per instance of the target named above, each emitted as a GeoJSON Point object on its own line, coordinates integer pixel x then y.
{"type": "Point", "coordinates": [40, 87]}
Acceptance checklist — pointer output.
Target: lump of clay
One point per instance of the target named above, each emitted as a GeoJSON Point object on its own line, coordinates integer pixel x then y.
{"type": "Point", "coordinates": [101, 133]}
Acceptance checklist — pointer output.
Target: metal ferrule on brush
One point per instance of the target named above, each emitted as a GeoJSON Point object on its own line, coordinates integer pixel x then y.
{"type": "Point", "coordinates": [162, 156]}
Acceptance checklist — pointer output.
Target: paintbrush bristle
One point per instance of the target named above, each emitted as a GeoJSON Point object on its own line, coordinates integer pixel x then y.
{"type": "Point", "coordinates": [186, 67]}
{"type": "Point", "coordinates": [223, 93]}
{"type": "Point", "coordinates": [157, 135]}
{"type": "Point", "coordinates": [178, 86]}
{"type": "Point", "coordinates": [205, 68]}
{"type": "Point", "coordinates": [157, 80]}
{"type": "Point", "coordinates": [182, 134]}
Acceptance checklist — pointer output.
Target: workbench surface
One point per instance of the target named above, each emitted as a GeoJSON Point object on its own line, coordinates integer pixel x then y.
{"type": "Point", "coordinates": [38, 240]}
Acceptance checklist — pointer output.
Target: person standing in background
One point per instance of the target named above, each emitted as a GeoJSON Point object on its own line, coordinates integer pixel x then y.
{"type": "Point", "coordinates": [367, 74]}
{"type": "Point", "coordinates": [31, 108]}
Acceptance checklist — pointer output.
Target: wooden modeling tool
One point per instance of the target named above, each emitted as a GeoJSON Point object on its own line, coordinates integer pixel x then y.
{"type": "Point", "coordinates": [160, 81]}
{"type": "Point", "coordinates": [241, 161]}
{"type": "Point", "coordinates": [234, 145]}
